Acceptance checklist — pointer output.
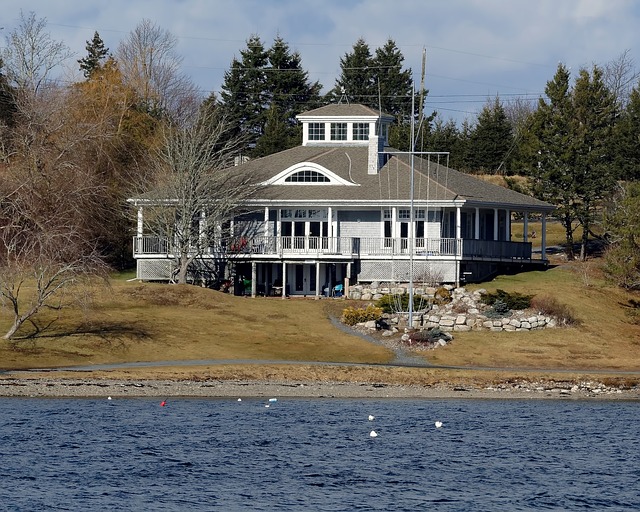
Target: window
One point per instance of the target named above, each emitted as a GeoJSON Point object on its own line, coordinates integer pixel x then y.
{"type": "Point", "coordinates": [360, 131]}
{"type": "Point", "coordinates": [404, 214]}
{"type": "Point", "coordinates": [338, 131]}
{"type": "Point", "coordinates": [316, 131]}
{"type": "Point", "coordinates": [307, 176]}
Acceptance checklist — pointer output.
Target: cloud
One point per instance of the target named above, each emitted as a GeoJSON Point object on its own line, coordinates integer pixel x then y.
{"type": "Point", "coordinates": [476, 49]}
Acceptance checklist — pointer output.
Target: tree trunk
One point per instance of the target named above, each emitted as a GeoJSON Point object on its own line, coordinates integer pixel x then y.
{"type": "Point", "coordinates": [569, 237]}
{"type": "Point", "coordinates": [584, 241]}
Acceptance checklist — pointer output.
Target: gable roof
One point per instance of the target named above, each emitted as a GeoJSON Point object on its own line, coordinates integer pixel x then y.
{"type": "Point", "coordinates": [433, 182]}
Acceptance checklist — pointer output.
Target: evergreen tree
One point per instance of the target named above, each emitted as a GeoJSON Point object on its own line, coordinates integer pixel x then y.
{"type": "Point", "coordinates": [96, 53]}
{"type": "Point", "coordinates": [394, 84]}
{"type": "Point", "coordinates": [264, 84]}
{"type": "Point", "coordinates": [491, 139]}
{"type": "Point", "coordinates": [627, 139]}
{"type": "Point", "coordinates": [378, 81]}
{"type": "Point", "coordinates": [276, 135]}
{"type": "Point", "coordinates": [622, 225]}
{"type": "Point", "coordinates": [568, 149]}
{"type": "Point", "coordinates": [288, 93]}
{"type": "Point", "coordinates": [244, 92]}
{"type": "Point", "coordinates": [357, 80]}
{"type": "Point", "coordinates": [593, 121]}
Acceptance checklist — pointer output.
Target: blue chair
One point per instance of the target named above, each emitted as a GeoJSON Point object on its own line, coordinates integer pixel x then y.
{"type": "Point", "coordinates": [337, 290]}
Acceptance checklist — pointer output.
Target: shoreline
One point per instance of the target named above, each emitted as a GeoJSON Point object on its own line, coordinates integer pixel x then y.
{"type": "Point", "coordinates": [90, 387]}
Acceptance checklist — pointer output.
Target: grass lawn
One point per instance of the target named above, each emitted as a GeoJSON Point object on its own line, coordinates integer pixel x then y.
{"type": "Point", "coordinates": [132, 321]}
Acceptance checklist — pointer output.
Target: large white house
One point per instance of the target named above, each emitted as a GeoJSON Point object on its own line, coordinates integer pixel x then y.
{"type": "Point", "coordinates": [345, 208]}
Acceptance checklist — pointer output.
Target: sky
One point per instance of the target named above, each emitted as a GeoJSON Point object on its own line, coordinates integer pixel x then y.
{"type": "Point", "coordinates": [475, 49]}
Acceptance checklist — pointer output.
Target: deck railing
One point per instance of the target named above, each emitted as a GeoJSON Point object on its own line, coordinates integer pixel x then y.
{"type": "Point", "coordinates": [352, 247]}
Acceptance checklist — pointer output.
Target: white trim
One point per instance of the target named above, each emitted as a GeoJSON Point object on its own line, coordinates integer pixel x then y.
{"type": "Point", "coordinates": [334, 179]}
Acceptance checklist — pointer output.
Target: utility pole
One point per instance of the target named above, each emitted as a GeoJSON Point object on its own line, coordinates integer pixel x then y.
{"type": "Point", "coordinates": [424, 69]}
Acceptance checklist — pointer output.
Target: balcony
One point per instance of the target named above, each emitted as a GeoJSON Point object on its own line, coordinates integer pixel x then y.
{"type": "Point", "coordinates": [346, 248]}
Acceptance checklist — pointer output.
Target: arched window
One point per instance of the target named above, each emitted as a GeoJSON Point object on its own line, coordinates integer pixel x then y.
{"type": "Point", "coordinates": [307, 176]}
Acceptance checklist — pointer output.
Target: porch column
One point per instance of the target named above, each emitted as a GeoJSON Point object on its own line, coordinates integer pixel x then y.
{"type": "Point", "coordinates": [284, 279]}
{"type": "Point", "coordinates": [495, 224]}
{"type": "Point", "coordinates": [330, 222]}
{"type": "Point", "coordinates": [140, 221]}
{"type": "Point", "coordinates": [458, 229]}
{"type": "Point", "coordinates": [476, 227]}
{"type": "Point", "coordinates": [394, 217]}
{"type": "Point", "coordinates": [266, 221]}
{"type": "Point", "coordinates": [347, 281]}
{"type": "Point", "coordinates": [318, 285]}
{"type": "Point", "coordinates": [543, 241]}
{"type": "Point", "coordinates": [253, 279]}
{"type": "Point", "coordinates": [507, 225]}
{"type": "Point", "coordinates": [525, 226]}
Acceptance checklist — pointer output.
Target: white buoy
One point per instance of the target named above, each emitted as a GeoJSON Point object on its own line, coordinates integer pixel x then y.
{"type": "Point", "coordinates": [371, 417]}
{"type": "Point", "coordinates": [373, 433]}
{"type": "Point", "coordinates": [108, 398]}
{"type": "Point", "coordinates": [438, 424]}
{"type": "Point", "coordinates": [239, 399]}
{"type": "Point", "coordinates": [267, 406]}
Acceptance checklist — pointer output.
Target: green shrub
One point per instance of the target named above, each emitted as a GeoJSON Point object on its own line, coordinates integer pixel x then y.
{"type": "Point", "coordinates": [512, 300]}
{"type": "Point", "coordinates": [499, 309]}
{"type": "Point", "coordinates": [353, 316]}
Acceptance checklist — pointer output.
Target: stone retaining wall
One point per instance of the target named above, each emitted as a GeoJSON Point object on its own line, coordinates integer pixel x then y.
{"type": "Point", "coordinates": [465, 312]}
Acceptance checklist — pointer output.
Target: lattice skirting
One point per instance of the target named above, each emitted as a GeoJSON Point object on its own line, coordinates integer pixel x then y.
{"type": "Point", "coordinates": [154, 270]}
{"type": "Point", "coordinates": [430, 272]}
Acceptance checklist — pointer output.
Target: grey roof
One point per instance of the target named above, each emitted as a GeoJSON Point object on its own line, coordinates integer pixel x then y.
{"type": "Point", "coordinates": [343, 110]}
{"type": "Point", "coordinates": [433, 182]}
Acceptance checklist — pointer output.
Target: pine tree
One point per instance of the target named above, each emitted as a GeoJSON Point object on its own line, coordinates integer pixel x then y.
{"type": "Point", "coordinates": [265, 84]}
{"type": "Point", "coordinates": [288, 93]}
{"type": "Point", "coordinates": [244, 92]}
{"type": "Point", "coordinates": [96, 53]}
{"type": "Point", "coordinates": [491, 139]}
{"type": "Point", "coordinates": [394, 84]}
{"type": "Point", "coordinates": [569, 149]}
{"type": "Point", "coordinates": [593, 121]}
{"type": "Point", "coordinates": [356, 81]}
{"type": "Point", "coordinates": [627, 139]}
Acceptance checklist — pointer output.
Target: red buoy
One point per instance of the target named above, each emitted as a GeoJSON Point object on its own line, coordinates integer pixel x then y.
{"type": "Point", "coordinates": [163, 403]}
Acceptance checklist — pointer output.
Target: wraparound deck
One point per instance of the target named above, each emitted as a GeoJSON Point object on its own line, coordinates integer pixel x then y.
{"type": "Point", "coordinates": [346, 248]}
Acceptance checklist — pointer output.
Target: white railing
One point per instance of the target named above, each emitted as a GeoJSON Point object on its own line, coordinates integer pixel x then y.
{"type": "Point", "coordinates": [347, 246]}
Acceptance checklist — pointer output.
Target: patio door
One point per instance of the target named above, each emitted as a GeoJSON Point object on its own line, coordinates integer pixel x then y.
{"type": "Point", "coordinates": [303, 279]}
{"type": "Point", "coordinates": [404, 236]}
{"type": "Point", "coordinates": [318, 235]}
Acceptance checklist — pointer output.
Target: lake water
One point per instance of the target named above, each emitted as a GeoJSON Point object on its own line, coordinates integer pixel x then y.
{"type": "Point", "coordinates": [318, 455]}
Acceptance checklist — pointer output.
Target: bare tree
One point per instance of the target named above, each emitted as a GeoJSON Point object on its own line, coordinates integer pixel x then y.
{"type": "Point", "coordinates": [620, 76]}
{"type": "Point", "coordinates": [50, 203]}
{"type": "Point", "coordinates": [149, 64]}
{"type": "Point", "coordinates": [40, 263]}
{"type": "Point", "coordinates": [31, 55]}
{"type": "Point", "coordinates": [196, 189]}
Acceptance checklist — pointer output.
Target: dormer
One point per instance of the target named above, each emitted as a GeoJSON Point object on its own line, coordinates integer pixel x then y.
{"type": "Point", "coordinates": [344, 125]}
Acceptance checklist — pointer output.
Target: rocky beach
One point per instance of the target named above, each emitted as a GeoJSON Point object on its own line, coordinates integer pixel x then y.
{"type": "Point", "coordinates": [89, 387]}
